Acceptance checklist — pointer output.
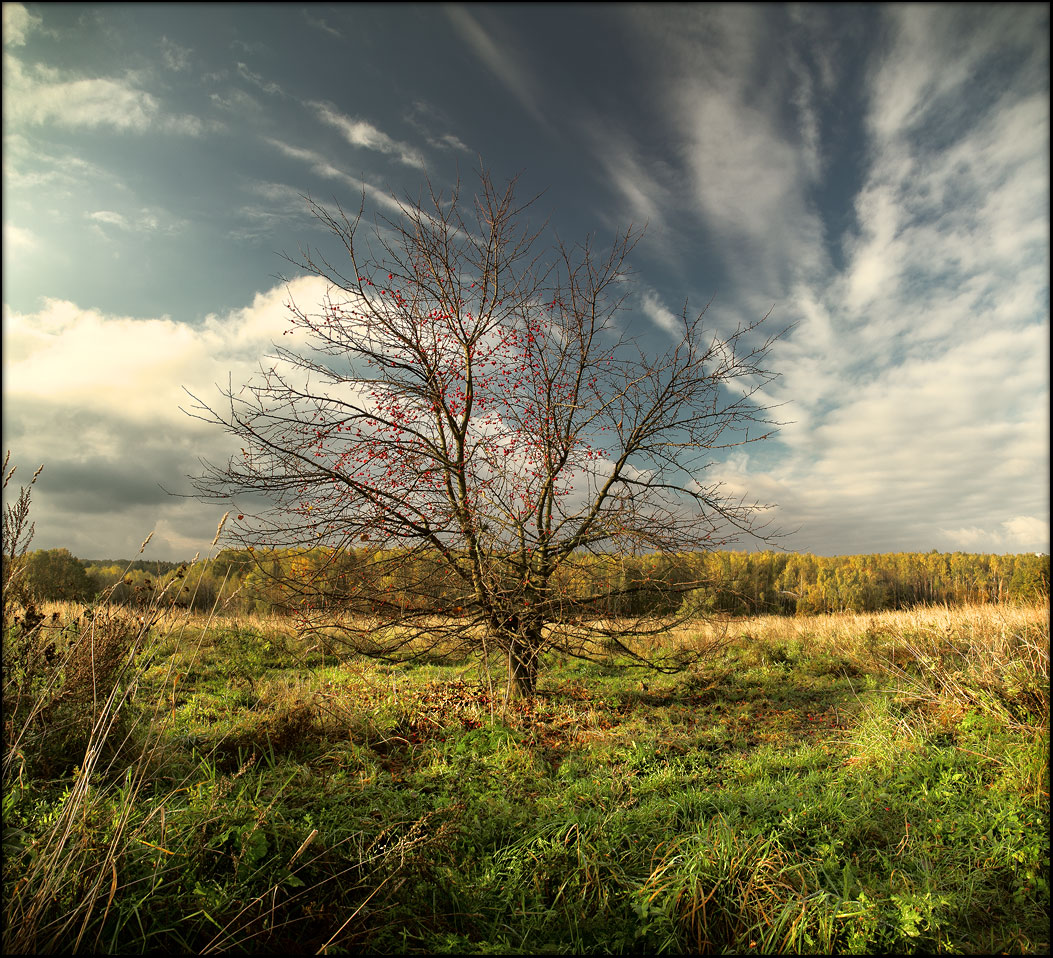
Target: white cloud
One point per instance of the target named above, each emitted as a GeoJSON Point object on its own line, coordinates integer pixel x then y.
{"type": "Point", "coordinates": [1019, 534]}
{"type": "Point", "coordinates": [18, 24]}
{"type": "Point", "coordinates": [27, 167]}
{"type": "Point", "coordinates": [18, 240]}
{"type": "Point", "coordinates": [971, 539]}
{"type": "Point", "coordinates": [278, 193]}
{"type": "Point", "coordinates": [1027, 532]}
{"type": "Point", "coordinates": [450, 142]}
{"type": "Point", "coordinates": [43, 95]}
{"type": "Point", "coordinates": [804, 99]}
{"type": "Point", "coordinates": [918, 376]}
{"type": "Point", "coordinates": [96, 397]}
{"type": "Point", "coordinates": [282, 207]}
{"type": "Point", "coordinates": [170, 535]}
{"type": "Point", "coordinates": [936, 51]}
{"type": "Point", "coordinates": [65, 355]}
{"type": "Point", "coordinates": [897, 457]}
{"type": "Point", "coordinates": [958, 221]}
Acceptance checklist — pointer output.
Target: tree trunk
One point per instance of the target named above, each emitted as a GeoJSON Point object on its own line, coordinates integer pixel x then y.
{"type": "Point", "coordinates": [522, 667]}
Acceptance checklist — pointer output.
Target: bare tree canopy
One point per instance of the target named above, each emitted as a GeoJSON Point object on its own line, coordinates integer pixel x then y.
{"type": "Point", "coordinates": [464, 445]}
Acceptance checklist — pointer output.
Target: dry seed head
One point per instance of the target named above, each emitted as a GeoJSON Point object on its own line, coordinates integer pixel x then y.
{"type": "Point", "coordinates": [146, 542]}
{"type": "Point", "coordinates": [299, 851]}
{"type": "Point", "coordinates": [219, 528]}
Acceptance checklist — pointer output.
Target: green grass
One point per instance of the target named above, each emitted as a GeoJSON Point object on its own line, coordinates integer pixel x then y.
{"type": "Point", "coordinates": [852, 784]}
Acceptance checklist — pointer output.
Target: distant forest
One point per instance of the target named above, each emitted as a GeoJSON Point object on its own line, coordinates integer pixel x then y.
{"type": "Point", "coordinates": [746, 583]}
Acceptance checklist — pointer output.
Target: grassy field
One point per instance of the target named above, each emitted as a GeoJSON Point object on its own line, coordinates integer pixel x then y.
{"type": "Point", "coordinates": [857, 783]}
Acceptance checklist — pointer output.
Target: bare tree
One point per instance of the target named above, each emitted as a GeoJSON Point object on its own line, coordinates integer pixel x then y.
{"type": "Point", "coordinates": [465, 449]}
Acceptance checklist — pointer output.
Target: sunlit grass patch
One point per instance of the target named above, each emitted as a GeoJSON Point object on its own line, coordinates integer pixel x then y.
{"type": "Point", "coordinates": [763, 800]}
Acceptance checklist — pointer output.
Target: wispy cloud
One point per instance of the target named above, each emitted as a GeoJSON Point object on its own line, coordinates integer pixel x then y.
{"type": "Point", "coordinates": [422, 116]}
{"type": "Point", "coordinates": [918, 377]}
{"type": "Point", "coordinates": [916, 381]}
{"type": "Point", "coordinates": [323, 167]}
{"type": "Point", "coordinates": [237, 102]}
{"type": "Point", "coordinates": [748, 151]}
{"type": "Point", "coordinates": [659, 314]}
{"type": "Point", "coordinates": [145, 220]}
{"type": "Point", "coordinates": [267, 86]}
{"type": "Point", "coordinates": [109, 218]}
{"type": "Point", "coordinates": [320, 24]}
{"type": "Point", "coordinates": [501, 59]}
{"type": "Point", "coordinates": [633, 178]}
{"type": "Point", "coordinates": [362, 133]}
{"type": "Point", "coordinates": [174, 56]}
{"type": "Point", "coordinates": [278, 208]}
{"type": "Point", "coordinates": [28, 166]}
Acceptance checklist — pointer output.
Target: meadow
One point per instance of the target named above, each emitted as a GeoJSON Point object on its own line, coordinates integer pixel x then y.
{"type": "Point", "coordinates": [856, 783]}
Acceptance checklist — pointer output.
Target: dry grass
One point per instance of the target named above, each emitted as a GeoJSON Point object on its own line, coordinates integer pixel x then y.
{"type": "Point", "coordinates": [985, 621]}
{"type": "Point", "coordinates": [994, 643]}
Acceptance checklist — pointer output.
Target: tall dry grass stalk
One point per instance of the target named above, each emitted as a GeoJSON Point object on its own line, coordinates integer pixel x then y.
{"type": "Point", "coordinates": [996, 661]}
{"type": "Point", "coordinates": [67, 696]}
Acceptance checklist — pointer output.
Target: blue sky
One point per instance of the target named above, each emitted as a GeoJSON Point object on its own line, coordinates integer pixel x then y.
{"type": "Point", "coordinates": [878, 174]}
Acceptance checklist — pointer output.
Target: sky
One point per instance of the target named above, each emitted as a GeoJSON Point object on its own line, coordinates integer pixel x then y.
{"type": "Point", "coordinates": [876, 175]}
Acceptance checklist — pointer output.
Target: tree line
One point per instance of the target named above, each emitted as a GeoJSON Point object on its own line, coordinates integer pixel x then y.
{"type": "Point", "coordinates": [739, 583]}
